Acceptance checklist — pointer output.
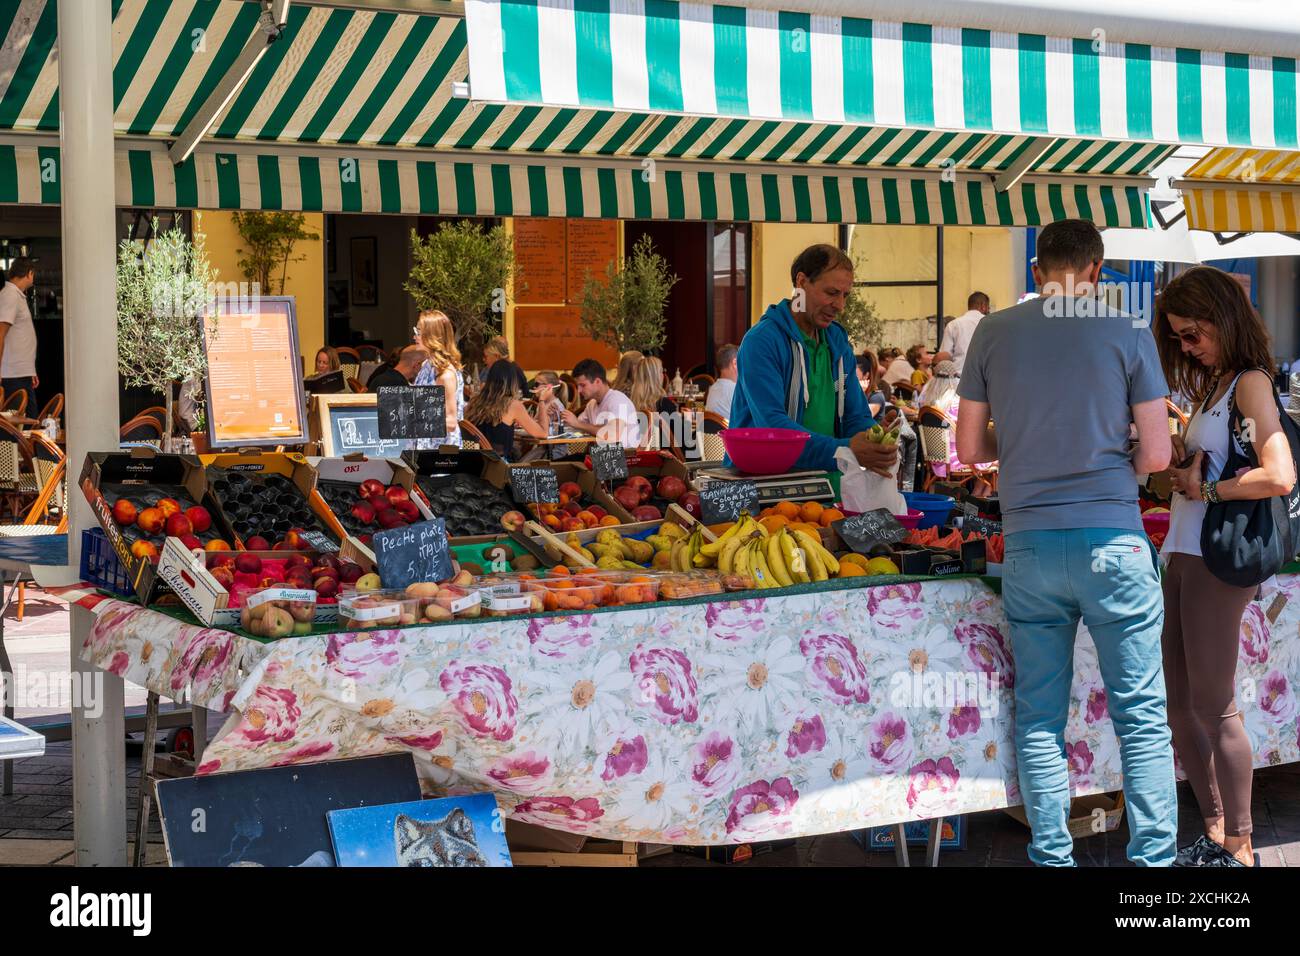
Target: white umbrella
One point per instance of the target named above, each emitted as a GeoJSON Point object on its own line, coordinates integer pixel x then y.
{"type": "Point", "coordinates": [1171, 241]}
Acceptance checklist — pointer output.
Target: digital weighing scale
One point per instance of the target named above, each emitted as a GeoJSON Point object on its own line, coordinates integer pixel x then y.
{"type": "Point", "coordinates": [791, 486]}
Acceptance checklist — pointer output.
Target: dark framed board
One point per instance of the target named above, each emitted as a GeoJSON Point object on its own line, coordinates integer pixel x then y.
{"type": "Point", "coordinates": [724, 500]}
{"type": "Point", "coordinates": [349, 424]}
{"type": "Point", "coordinates": [608, 461]}
{"type": "Point", "coordinates": [412, 555]}
{"type": "Point", "coordinates": [861, 532]}
{"type": "Point", "coordinates": [534, 485]}
{"type": "Point", "coordinates": [411, 411]}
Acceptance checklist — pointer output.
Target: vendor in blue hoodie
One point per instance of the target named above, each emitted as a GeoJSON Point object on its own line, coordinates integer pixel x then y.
{"type": "Point", "coordinates": [798, 370]}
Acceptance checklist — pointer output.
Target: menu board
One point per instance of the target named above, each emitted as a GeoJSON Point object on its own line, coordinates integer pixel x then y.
{"type": "Point", "coordinates": [548, 336]}
{"type": "Point", "coordinates": [609, 461]}
{"type": "Point", "coordinates": [414, 554]}
{"type": "Point", "coordinates": [539, 261]}
{"type": "Point", "coordinates": [412, 411]}
{"type": "Point", "coordinates": [591, 244]}
{"type": "Point", "coordinates": [350, 427]}
{"type": "Point", "coordinates": [254, 384]}
{"type": "Point", "coordinates": [531, 484]}
{"type": "Point", "coordinates": [862, 532]}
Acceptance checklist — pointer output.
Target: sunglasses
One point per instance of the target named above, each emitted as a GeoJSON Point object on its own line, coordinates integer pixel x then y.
{"type": "Point", "coordinates": [1191, 336]}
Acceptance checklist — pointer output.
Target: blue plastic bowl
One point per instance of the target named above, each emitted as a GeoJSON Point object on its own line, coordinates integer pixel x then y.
{"type": "Point", "coordinates": [934, 508]}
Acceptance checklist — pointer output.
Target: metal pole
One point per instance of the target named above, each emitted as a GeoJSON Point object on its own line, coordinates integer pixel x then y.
{"type": "Point", "coordinates": [89, 233]}
{"type": "Point", "coordinates": [938, 286]}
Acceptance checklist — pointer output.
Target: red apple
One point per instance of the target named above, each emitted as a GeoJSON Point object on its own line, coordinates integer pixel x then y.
{"type": "Point", "coordinates": [257, 543]}
{"type": "Point", "coordinates": [349, 571]}
{"type": "Point", "coordinates": [396, 494]}
{"type": "Point", "coordinates": [390, 519]}
{"type": "Point", "coordinates": [192, 543]}
{"type": "Point", "coordinates": [642, 486]}
{"type": "Point", "coordinates": [364, 512]}
{"type": "Point", "coordinates": [408, 510]}
{"type": "Point", "coordinates": [216, 544]}
{"type": "Point", "coordinates": [326, 586]}
{"type": "Point", "coordinates": [200, 518]}
{"type": "Point", "coordinates": [371, 487]}
{"type": "Point", "coordinates": [380, 503]}
{"type": "Point", "coordinates": [628, 496]}
{"type": "Point", "coordinates": [246, 563]}
{"type": "Point", "coordinates": [647, 513]}
{"type": "Point", "coordinates": [670, 487]}
{"type": "Point", "coordinates": [178, 526]}
{"type": "Point", "coordinates": [168, 506]}
{"type": "Point", "coordinates": [690, 503]}
{"type": "Point", "coordinates": [151, 520]}
{"type": "Point", "coordinates": [124, 512]}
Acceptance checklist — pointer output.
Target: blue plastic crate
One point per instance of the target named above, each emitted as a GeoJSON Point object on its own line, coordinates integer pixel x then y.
{"type": "Point", "coordinates": [100, 565]}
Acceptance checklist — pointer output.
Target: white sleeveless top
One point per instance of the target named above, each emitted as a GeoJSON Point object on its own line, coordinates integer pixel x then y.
{"type": "Point", "coordinates": [1206, 432]}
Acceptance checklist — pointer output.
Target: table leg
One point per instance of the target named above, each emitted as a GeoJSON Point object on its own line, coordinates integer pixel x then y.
{"type": "Point", "coordinates": [932, 844]}
{"type": "Point", "coordinates": [98, 757]}
{"type": "Point", "coordinates": [900, 846]}
{"type": "Point", "coordinates": [199, 717]}
{"type": "Point", "coordinates": [6, 669]}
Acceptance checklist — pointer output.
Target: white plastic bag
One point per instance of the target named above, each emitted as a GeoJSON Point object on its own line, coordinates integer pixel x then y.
{"type": "Point", "coordinates": [863, 490]}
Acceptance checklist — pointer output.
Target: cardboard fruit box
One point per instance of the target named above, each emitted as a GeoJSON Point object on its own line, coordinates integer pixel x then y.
{"type": "Point", "coordinates": [150, 473]}
{"type": "Point", "coordinates": [207, 599]}
{"type": "Point", "coordinates": [1099, 813]}
{"type": "Point", "coordinates": [353, 470]}
{"type": "Point", "coordinates": [301, 483]}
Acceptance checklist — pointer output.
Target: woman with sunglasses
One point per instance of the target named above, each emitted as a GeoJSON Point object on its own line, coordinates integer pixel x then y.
{"type": "Point", "coordinates": [1216, 351]}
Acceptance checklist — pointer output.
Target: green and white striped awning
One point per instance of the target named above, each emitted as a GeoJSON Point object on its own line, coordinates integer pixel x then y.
{"type": "Point", "coordinates": [732, 61]}
{"type": "Point", "coordinates": [242, 176]}
{"type": "Point", "coordinates": [379, 87]}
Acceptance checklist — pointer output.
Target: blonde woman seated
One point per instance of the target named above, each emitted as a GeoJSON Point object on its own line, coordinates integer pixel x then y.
{"type": "Point", "coordinates": [498, 409]}
{"type": "Point", "coordinates": [648, 395]}
{"type": "Point", "coordinates": [941, 393]}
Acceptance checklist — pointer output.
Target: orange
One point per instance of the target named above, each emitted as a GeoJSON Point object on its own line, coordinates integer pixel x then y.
{"type": "Point", "coordinates": [810, 511]}
{"type": "Point", "coordinates": [851, 569]}
{"type": "Point", "coordinates": [853, 558]}
{"type": "Point", "coordinates": [829, 515]}
{"type": "Point", "coordinates": [560, 570]}
{"type": "Point", "coordinates": [773, 523]}
{"type": "Point", "coordinates": [788, 510]}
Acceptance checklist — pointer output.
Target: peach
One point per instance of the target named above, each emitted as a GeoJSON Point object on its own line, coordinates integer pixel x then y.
{"type": "Point", "coordinates": [124, 512]}
{"type": "Point", "coordinates": [257, 543]}
{"type": "Point", "coordinates": [178, 526]}
{"type": "Point", "coordinates": [436, 612]}
{"type": "Point", "coordinates": [145, 549]}
{"type": "Point", "coordinates": [168, 506]}
{"type": "Point", "coordinates": [513, 520]}
{"type": "Point", "coordinates": [224, 576]}
{"type": "Point", "coordinates": [151, 520]}
{"type": "Point", "coordinates": [552, 521]}
{"type": "Point", "coordinates": [588, 519]}
{"type": "Point", "coordinates": [199, 518]}
{"type": "Point", "coordinates": [572, 489]}
{"type": "Point", "coordinates": [216, 544]}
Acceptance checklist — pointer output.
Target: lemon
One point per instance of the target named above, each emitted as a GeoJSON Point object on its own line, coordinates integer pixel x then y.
{"type": "Point", "coordinates": [881, 566]}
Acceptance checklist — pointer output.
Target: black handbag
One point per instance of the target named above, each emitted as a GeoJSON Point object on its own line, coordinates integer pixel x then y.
{"type": "Point", "coordinates": [1244, 543]}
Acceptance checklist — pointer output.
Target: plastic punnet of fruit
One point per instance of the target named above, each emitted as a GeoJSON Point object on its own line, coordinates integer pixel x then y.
{"type": "Point", "coordinates": [278, 612]}
{"type": "Point", "coordinates": [382, 607]}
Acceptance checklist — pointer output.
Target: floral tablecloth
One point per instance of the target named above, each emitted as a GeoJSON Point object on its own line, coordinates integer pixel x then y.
{"type": "Point", "coordinates": [701, 724]}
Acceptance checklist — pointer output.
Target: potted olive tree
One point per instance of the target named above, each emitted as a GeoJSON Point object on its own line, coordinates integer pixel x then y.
{"type": "Point", "coordinates": [625, 308]}
{"type": "Point", "coordinates": [164, 290]}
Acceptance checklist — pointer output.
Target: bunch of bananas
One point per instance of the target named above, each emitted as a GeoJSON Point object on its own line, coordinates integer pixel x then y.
{"type": "Point", "coordinates": [689, 554]}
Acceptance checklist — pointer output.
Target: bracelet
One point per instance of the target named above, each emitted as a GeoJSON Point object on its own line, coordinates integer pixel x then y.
{"type": "Point", "coordinates": [1210, 492]}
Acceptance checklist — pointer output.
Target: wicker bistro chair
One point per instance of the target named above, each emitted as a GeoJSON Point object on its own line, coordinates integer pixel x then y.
{"type": "Point", "coordinates": [142, 430]}
{"type": "Point", "coordinates": [933, 427]}
{"type": "Point", "coordinates": [46, 458]}
{"type": "Point", "coordinates": [711, 443]}
{"type": "Point", "coordinates": [1177, 420]}
{"type": "Point", "coordinates": [349, 361]}
{"type": "Point", "coordinates": [51, 496]}
{"type": "Point", "coordinates": [17, 475]}
{"type": "Point", "coordinates": [472, 438]}
{"type": "Point", "coordinates": [53, 409]}
{"type": "Point", "coordinates": [16, 403]}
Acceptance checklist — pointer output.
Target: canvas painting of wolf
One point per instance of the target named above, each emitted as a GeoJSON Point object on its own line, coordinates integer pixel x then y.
{"type": "Point", "coordinates": [466, 831]}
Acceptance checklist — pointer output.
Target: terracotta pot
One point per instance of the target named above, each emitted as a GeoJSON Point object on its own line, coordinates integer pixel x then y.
{"type": "Point", "coordinates": [200, 440]}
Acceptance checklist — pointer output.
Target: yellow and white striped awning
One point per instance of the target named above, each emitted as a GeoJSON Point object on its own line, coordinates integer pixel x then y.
{"type": "Point", "coordinates": [1244, 190]}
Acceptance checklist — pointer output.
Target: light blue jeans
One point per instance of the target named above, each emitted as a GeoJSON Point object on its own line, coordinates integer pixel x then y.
{"type": "Point", "coordinates": [1108, 578]}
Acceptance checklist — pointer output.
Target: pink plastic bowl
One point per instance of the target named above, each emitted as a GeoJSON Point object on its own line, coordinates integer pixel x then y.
{"type": "Point", "coordinates": [763, 451]}
{"type": "Point", "coordinates": [1155, 523]}
{"type": "Point", "coordinates": [911, 519]}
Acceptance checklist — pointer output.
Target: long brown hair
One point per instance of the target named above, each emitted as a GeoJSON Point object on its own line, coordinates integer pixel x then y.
{"type": "Point", "coordinates": [647, 386]}
{"type": "Point", "coordinates": [500, 388]}
{"type": "Point", "coordinates": [435, 332]}
{"type": "Point", "coordinates": [1209, 296]}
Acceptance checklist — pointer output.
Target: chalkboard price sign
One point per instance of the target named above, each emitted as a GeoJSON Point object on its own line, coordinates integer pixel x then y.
{"type": "Point", "coordinates": [409, 411]}
{"type": "Point", "coordinates": [319, 541]}
{"type": "Point", "coordinates": [984, 526]}
{"type": "Point", "coordinates": [609, 461]}
{"type": "Point", "coordinates": [863, 531]}
{"type": "Point", "coordinates": [414, 554]}
{"type": "Point", "coordinates": [724, 500]}
{"type": "Point", "coordinates": [535, 485]}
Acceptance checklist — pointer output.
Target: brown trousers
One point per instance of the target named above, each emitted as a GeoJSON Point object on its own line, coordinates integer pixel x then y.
{"type": "Point", "coordinates": [1200, 642]}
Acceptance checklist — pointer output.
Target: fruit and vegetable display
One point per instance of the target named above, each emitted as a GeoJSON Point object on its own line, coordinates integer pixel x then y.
{"type": "Point", "coordinates": [446, 600]}
{"type": "Point", "coordinates": [278, 612]}
{"type": "Point", "coordinates": [267, 511]}
{"type": "Point", "coordinates": [370, 506]}
{"type": "Point", "coordinates": [470, 505]}
{"type": "Point", "coordinates": [771, 559]}
{"type": "Point", "coordinates": [146, 516]}
{"type": "Point", "coordinates": [648, 501]}
{"type": "Point", "coordinates": [573, 512]}
{"type": "Point", "coordinates": [245, 573]}
{"type": "Point", "coordinates": [952, 540]}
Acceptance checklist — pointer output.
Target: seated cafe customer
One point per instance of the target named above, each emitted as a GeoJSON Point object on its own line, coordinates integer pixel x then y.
{"type": "Point", "coordinates": [403, 372]}
{"type": "Point", "coordinates": [798, 370]}
{"type": "Point", "coordinates": [498, 409]}
{"type": "Point", "coordinates": [718, 400]}
{"type": "Point", "coordinates": [609, 415]}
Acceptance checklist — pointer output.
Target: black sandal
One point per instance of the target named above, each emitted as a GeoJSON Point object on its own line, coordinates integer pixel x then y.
{"type": "Point", "coordinates": [1198, 853]}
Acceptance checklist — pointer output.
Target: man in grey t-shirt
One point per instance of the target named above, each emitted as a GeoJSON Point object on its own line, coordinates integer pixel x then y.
{"type": "Point", "coordinates": [18, 334]}
{"type": "Point", "coordinates": [1064, 377]}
